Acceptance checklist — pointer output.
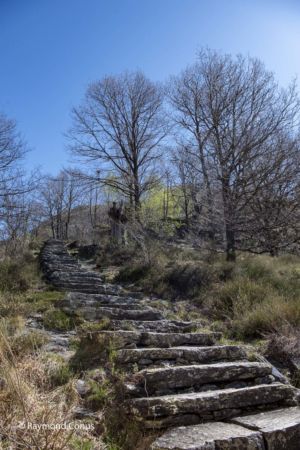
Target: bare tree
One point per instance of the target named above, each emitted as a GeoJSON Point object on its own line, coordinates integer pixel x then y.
{"type": "Point", "coordinates": [59, 196]}
{"type": "Point", "coordinates": [12, 151]}
{"type": "Point", "coordinates": [120, 128]}
{"type": "Point", "coordinates": [273, 217]}
{"type": "Point", "coordinates": [233, 108]}
{"type": "Point", "coordinates": [14, 187]}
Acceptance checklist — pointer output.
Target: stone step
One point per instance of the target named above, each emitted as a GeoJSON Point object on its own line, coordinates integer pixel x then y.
{"type": "Point", "coordinates": [196, 407]}
{"type": "Point", "coordinates": [162, 381]}
{"type": "Point", "coordinates": [59, 268]}
{"type": "Point", "coordinates": [123, 295]}
{"type": "Point", "coordinates": [57, 261]}
{"type": "Point", "coordinates": [180, 355]}
{"type": "Point", "coordinates": [101, 312]}
{"type": "Point", "coordinates": [89, 288]}
{"type": "Point", "coordinates": [77, 300]}
{"type": "Point", "coordinates": [210, 436]}
{"type": "Point", "coordinates": [280, 428]}
{"type": "Point", "coordinates": [160, 340]}
{"type": "Point", "coordinates": [75, 275]}
{"type": "Point", "coordinates": [164, 326]}
{"type": "Point", "coordinates": [78, 283]}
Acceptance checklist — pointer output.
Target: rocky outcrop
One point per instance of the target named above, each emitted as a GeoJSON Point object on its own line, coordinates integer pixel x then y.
{"type": "Point", "coordinates": [180, 380]}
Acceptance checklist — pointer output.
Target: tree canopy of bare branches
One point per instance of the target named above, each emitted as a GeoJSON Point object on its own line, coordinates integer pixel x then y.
{"type": "Point", "coordinates": [58, 196]}
{"type": "Point", "coordinates": [120, 128]}
{"type": "Point", "coordinates": [229, 111]}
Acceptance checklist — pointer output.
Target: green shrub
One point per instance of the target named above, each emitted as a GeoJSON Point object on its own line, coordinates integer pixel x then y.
{"type": "Point", "coordinates": [99, 394]}
{"type": "Point", "coordinates": [103, 324]}
{"type": "Point", "coordinates": [92, 349]}
{"type": "Point", "coordinates": [132, 274]}
{"type": "Point", "coordinates": [42, 300]}
{"type": "Point", "coordinates": [188, 279]}
{"type": "Point", "coordinates": [267, 317]}
{"type": "Point", "coordinates": [237, 295]}
{"type": "Point", "coordinates": [82, 444]}
{"type": "Point", "coordinates": [254, 269]}
{"type": "Point", "coordinates": [56, 319]}
{"type": "Point", "coordinates": [12, 278]}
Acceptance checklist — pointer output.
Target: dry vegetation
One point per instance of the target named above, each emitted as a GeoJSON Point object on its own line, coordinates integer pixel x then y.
{"type": "Point", "coordinates": [254, 299]}
{"type": "Point", "coordinates": [36, 387]}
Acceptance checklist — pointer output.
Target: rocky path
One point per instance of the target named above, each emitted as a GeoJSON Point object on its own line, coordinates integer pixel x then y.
{"type": "Point", "coordinates": [196, 393]}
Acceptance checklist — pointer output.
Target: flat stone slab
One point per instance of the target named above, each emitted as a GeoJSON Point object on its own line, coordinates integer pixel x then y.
{"type": "Point", "coordinates": [101, 312]}
{"type": "Point", "coordinates": [164, 326]}
{"type": "Point", "coordinates": [162, 380]}
{"type": "Point", "coordinates": [183, 354]}
{"type": "Point", "coordinates": [77, 299]}
{"type": "Point", "coordinates": [210, 436]}
{"type": "Point", "coordinates": [202, 402]}
{"type": "Point", "coordinates": [280, 428]}
{"type": "Point", "coordinates": [160, 340]}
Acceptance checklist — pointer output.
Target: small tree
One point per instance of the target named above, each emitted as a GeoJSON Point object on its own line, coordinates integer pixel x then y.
{"type": "Point", "coordinates": [59, 196]}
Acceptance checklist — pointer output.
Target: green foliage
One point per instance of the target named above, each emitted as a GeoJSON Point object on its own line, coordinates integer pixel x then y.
{"type": "Point", "coordinates": [56, 319]}
{"type": "Point", "coordinates": [188, 279]}
{"type": "Point", "coordinates": [82, 444]}
{"type": "Point", "coordinates": [110, 445]}
{"type": "Point", "coordinates": [92, 349]}
{"type": "Point", "coordinates": [132, 274]}
{"type": "Point", "coordinates": [103, 324]}
{"type": "Point", "coordinates": [99, 393]}
{"type": "Point", "coordinates": [16, 303]}
{"type": "Point", "coordinates": [42, 300]}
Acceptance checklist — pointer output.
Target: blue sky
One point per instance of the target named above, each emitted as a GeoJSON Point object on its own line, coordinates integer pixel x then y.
{"type": "Point", "coordinates": [50, 50]}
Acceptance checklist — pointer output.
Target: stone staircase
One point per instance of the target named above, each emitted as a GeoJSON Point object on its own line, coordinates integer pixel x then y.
{"type": "Point", "coordinates": [181, 384]}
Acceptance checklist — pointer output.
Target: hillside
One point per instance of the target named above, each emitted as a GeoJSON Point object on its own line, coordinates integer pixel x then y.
{"type": "Point", "coordinates": [82, 375]}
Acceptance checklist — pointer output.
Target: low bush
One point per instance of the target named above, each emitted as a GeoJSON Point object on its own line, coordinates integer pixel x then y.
{"type": "Point", "coordinates": [188, 279]}
{"type": "Point", "coordinates": [12, 277]}
{"type": "Point", "coordinates": [261, 295]}
{"type": "Point", "coordinates": [99, 394]}
{"type": "Point", "coordinates": [56, 319]}
{"type": "Point", "coordinates": [132, 274]}
{"type": "Point", "coordinates": [92, 349]}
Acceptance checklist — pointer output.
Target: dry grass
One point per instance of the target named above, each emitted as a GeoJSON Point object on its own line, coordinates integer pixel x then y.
{"type": "Point", "coordinates": [260, 296]}
{"type": "Point", "coordinates": [248, 299]}
{"type": "Point", "coordinates": [33, 410]}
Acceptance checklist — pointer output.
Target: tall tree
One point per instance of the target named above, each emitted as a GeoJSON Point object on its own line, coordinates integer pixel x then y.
{"type": "Point", "coordinates": [273, 215]}
{"type": "Point", "coordinates": [120, 128]}
{"type": "Point", "coordinates": [233, 108]}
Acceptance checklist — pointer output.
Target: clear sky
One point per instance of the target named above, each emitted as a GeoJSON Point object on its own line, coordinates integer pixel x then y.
{"type": "Point", "coordinates": [50, 50]}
